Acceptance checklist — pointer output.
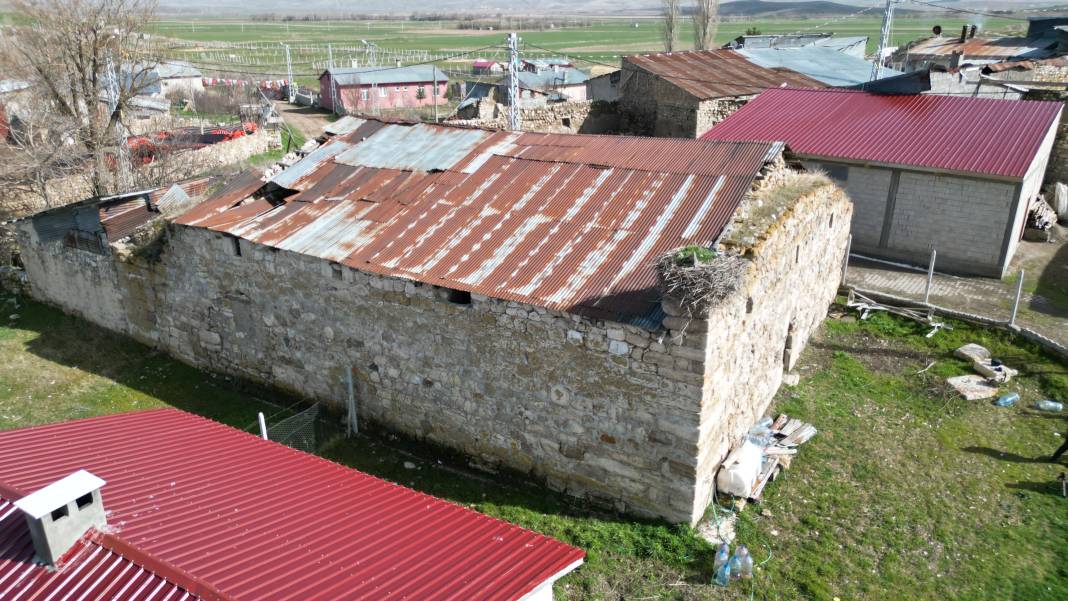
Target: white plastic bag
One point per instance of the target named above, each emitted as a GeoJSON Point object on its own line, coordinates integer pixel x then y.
{"type": "Point", "coordinates": [739, 472]}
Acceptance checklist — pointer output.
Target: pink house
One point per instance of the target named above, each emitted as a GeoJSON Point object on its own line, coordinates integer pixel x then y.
{"type": "Point", "coordinates": [364, 89]}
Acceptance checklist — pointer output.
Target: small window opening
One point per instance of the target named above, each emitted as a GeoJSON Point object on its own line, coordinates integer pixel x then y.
{"type": "Point", "coordinates": [749, 305]}
{"type": "Point", "coordinates": [567, 121]}
{"type": "Point", "coordinates": [459, 297]}
{"type": "Point", "coordinates": [830, 223]}
{"type": "Point", "coordinates": [84, 500]}
{"type": "Point", "coordinates": [237, 246]}
{"type": "Point", "coordinates": [337, 273]}
{"type": "Point", "coordinates": [60, 513]}
{"type": "Point", "coordinates": [797, 254]}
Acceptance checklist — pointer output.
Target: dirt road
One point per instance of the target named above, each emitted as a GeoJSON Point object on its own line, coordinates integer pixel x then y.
{"type": "Point", "coordinates": [306, 120]}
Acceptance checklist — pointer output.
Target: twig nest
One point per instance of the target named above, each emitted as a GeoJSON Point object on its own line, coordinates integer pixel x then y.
{"type": "Point", "coordinates": [695, 279]}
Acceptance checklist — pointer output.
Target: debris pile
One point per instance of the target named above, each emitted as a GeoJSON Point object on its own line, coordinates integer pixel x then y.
{"type": "Point", "coordinates": [991, 372]}
{"type": "Point", "coordinates": [924, 315]}
{"type": "Point", "coordinates": [1041, 218]}
{"type": "Point", "coordinates": [767, 451]}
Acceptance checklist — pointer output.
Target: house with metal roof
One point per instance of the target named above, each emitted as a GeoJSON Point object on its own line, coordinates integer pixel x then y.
{"type": "Point", "coordinates": [684, 94]}
{"type": "Point", "coordinates": [368, 89]}
{"type": "Point", "coordinates": [554, 85]}
{"type": "Point", "coordinates": [1045, 38]}
{"type": "Point", "coordinates": [855, 46]}
{"type": "Point", "coordinates": [499, 293]}
{"type": "Point", "coordinates": [950, 174]}
{"type": "Point", "coordinates": [166, 505]}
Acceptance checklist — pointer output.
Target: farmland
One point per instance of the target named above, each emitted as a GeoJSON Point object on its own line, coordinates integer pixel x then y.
{"type": "Point", "coordinates": [257, 46]}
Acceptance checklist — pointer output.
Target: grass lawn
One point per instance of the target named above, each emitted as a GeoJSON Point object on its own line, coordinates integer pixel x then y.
{"type": "Point", "coordinates": [906, 493]}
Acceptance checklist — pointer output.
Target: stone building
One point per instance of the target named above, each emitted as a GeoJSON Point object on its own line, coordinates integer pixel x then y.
{"type": "Point", "coordinates": [1045, 38]}
{"type": "Point", "coordinates": [948, 173]}
{"type": "Point", "coordinates": [683, 94]}
{"type": "Point", "coordinates": [497, 293]}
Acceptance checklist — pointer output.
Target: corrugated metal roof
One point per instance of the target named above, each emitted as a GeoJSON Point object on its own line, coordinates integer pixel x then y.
{"type": "Point", "coordinates": [562, 221]}
{"type": "Point", "coordinates": [954, 133]}
{"type": "Point", "coordinates": [225, 512]}
{"type": "Point", "coordinates": [365, 76]}
{"type": "Point", "coordinates": [991, 49]}
{"type": "Point", "coordinates": [718, 73]}
{"type": "Point", "coordinates": [344, 125]}
{"type": "Point", "coordinates": [89, 570]}
{"type": "Point", "coordinates": [827, 65]}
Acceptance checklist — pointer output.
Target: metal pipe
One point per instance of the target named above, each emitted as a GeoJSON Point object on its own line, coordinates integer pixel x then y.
{"type": "Point", "coordinates": [1019, 295]}
{"type": "Point", "coordinates": [930, 278]}
{"type": "Point", "coordinates": [845, 264]}
{"type": "Point", "coordinates": [263, 425]}
{"type": "Point", "coordinates": [354, 427]}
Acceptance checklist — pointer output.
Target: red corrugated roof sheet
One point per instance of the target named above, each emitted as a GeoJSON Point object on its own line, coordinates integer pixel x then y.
{"type": "Point", "coordinates": [718, 73]}
{"type": "Point", "coordinates": [953, 133]}
{"type": "Point", "coordinates": [221, 513]}
{"type": "Point", "coordinates": [562, 221]}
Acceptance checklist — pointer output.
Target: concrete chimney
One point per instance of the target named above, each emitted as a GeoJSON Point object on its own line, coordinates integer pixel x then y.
{"type": "Point", "coordinates": [60, 513]}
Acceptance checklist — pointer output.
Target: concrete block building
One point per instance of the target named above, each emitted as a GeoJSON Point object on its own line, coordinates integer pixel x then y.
{"type": "Point", "coordinates": [948, 173]}
{"type": "Point", "coordinates": [497, 293]}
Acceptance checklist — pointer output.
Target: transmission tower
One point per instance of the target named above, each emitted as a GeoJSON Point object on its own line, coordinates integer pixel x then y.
{"type": "Point", "coordinates": [884, 41]}
{"type": "Point", "coordinates": [513, 82]}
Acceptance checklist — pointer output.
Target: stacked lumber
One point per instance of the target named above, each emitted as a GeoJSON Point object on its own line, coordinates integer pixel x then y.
{"type": "Point", "coordinates": [786, 435]}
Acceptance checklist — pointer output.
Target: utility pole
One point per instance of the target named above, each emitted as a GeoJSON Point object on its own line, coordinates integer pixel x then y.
{"type": "Point", "coordinates": [513, 82]}
{"type": "Point", "coordinates": [884, 41]}
{"type": "Point", "coordinates": [289, 69]}
{"type": "Point", "coordinates": [434, 93]}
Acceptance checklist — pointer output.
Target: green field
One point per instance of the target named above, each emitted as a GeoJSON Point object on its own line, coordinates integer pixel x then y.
{"type": "Point", "coordinates": [602, 42]}
{"type": "Point", "coordinates": [907, 492]}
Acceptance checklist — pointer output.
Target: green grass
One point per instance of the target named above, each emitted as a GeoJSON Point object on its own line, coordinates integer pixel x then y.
{"type": "Point", "coordinates": [906, 493]}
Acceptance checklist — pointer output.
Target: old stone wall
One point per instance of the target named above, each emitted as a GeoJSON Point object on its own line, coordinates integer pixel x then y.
{"type": "Point", "coordinates": [585, 117]}
{"type": "Point", "coordinates": [634, 419]}
{"type": "Point", "coordinates": [652, 106]}
{"type": "Point", "coordinates": [1057, 170]}
{"type": "Point", "coordinates": [758, 333]}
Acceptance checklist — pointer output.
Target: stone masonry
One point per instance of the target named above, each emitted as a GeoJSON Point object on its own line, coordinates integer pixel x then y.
{"type": "Point", "coordinates": [651, 106]}
{"type": "Point", "coordinates": [586, 117]}
{"type": "Point", "coordinates": [626, 417]}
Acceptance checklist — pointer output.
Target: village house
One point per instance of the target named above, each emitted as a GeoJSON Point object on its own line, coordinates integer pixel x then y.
{"type": "Point", "coordinates": [925, 172]}
{"type": "Point", "coordinates": [367, 89]}
{"type": "Point", "coordinates": [547, 85]}
{"type": "Point", "coordinates": [484, 66]}
{"type": "Point", "coordinates": [165, 505]}
{"type": "Point", "coordinates": [497, 293]}
{"type": "Point", "coordinates": [1046, 38]}
{"type": "Point", "coordinates": [537, 65]}
{"type": "Point", "coordinates": [607, 87]}
{"type": "Point", "coordinates": [684, 94]}
{"type": "Point", "coordinates": [855, 46]}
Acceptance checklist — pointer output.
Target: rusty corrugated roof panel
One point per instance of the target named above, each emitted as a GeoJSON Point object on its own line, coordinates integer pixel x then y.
{"type": "Point", "coordinates": [954, 133]}
{"type": "Point", "coordinates": [192, 500]}
{"type": "Point", "coordinates": [563, 221]}
{"type": "Point", "coordinates": [418, 147]}
{"type": "Point", "coordinates": [718, 73]}
{"type": "Point", "coordinates": [1006, 48]}
{"type": "Point", "coordinates": [234, 192]}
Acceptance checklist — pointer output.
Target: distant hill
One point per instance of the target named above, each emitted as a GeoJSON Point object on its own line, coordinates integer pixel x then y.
{"type": "Point", "coordinates": [786, 10]}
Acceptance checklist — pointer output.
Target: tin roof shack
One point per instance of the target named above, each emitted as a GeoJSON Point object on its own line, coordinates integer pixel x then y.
{"type": "Point", "coordinates": [683, 94]}
{"type": "Point", "coordinates": [367, 89]}
{"type": "Point", "coordinates": [1046, 38]}
{"type": "Point", "coordinates": [949, 173]}
{"type": "Point", "coordinates": [193, 515]}
{"type": "Point", "coordinates": [497, 293]}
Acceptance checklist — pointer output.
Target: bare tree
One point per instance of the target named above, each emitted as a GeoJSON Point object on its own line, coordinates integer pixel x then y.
{"type": "Point", "coordinates": [670, 11]}
{"type": "Point", "coordinates": [705, 24]}
{"type": "Point", "coordinates": [85, 60]}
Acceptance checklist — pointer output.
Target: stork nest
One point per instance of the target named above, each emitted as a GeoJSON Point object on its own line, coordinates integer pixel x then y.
{"type": "Point", "coordinates": [698, 278]}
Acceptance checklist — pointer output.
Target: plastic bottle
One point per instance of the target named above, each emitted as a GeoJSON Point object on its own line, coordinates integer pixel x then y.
{"type": "Point", "coordinates": [722, 576]}
{"type": "Point", "coordinates": [1007, 400]}
{"type": "Point", "coordinates": [723, 554]}
{"type": "Point", "coordinates": [736, 562]}
{"type": "Point", "coordinates": [1049, 405]}
{"type": "Point", "coordinates": [745, 567]}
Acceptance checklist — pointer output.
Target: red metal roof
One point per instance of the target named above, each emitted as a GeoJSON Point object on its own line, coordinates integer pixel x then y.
{"type": "Point", "coordinates": [221, 514]}
{"type": "Point", "coordinates": [954, 133]}
{"type": "Point", "coordinates": [562, 221]}
{"type": "Point", "coordinates": [718, 73]}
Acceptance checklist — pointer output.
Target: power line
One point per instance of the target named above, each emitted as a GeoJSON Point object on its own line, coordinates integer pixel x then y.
{"type": "Point", "coordinates": [967, 11]}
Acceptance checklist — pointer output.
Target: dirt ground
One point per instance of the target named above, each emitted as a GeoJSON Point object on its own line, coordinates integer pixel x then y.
{"type": "Point", "coordinates": [307, 120]}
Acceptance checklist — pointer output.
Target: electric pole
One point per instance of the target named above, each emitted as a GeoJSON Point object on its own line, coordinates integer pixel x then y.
{"type": "Point", "coordinates": [434, 94]}
{"type": "Point", "coordinates": [289, 68]}
{"type": "Point", "coordinates": [513, 82]}
{"type": "Point", "coordinates": [884, 41]}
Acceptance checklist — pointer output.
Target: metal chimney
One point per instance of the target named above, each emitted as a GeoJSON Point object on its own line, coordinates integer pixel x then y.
{"type": "Point", "coordinates": [971, 32]}
{"type": "Point", "coordinates": [963, 33]}
{"type": "Point", "coordinates": [62, 512]}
